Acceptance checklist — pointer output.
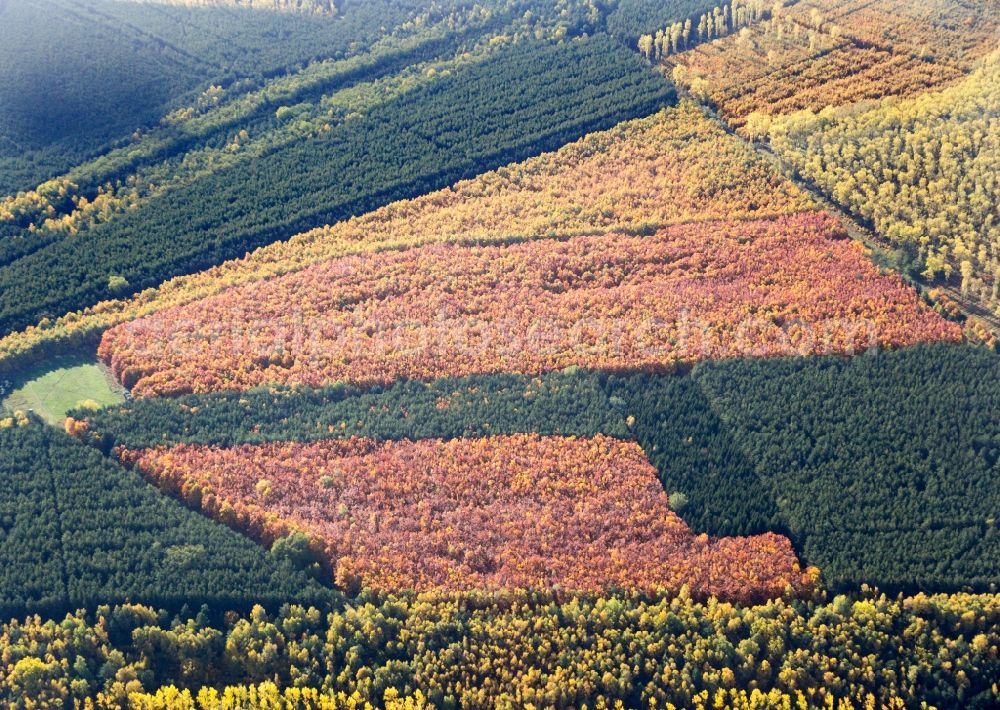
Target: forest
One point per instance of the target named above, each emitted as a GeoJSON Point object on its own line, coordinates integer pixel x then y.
{"type": "Point", "coordinates": [926, 177]}
{"type": "Point", "coordinates": [222, 128]}
{"type": "Point", "coordinates": [680, 433]}
{"type": "Point", "coordinates": [135, 63]}
{"type": "Point", "coordinates": [571, 403]}
{"type": "Point", "coordinates": [518, 511]}
{"type": "Point", "coordinates": [421, 141]}
{"type": "Point", "coordinates": [675, 166]}
{"type": "Point", "coordinates": [632, 18]}
{"type": "Point", "coordinates": [746, 75]}
{"type": "Point", "coordinates": [641, 303]}
{"type": "Point", "coordinates": [79, 531]}
{"type": "Point", "coordinates": [222, 116]}
{"type": "Point", "coordinates": [889, 110]}
{"type": "Point", "coordinates": [225, 127]}
{"type": "Point", "coordinates": [562, 354]}
{"type": "Point", "coordinates": [318, 7]}
{"type": "Point", "coordinates": [892, 458]}
{"type": "Point", "coordinates": [811, 55]}
{"type": "Point", "coordinates": [484, 650]}
{"type": "Point", "coordinates": [925, 418]}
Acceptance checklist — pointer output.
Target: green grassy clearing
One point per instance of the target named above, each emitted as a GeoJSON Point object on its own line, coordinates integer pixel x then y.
{"type": "Point", "coordinates": [57, 386]}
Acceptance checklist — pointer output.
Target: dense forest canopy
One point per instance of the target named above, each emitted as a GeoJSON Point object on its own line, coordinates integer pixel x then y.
{"type": "Point", "coordinates": [888, 109]}
{"type": "Point", "coordinates": [631, 18]}
{"type": "Point", "coordinates": [924, 171]}
{"type": "Point", "coordinates": [514, 649]}
{"type": "Point", "coordinates": [321, 7]}
{"type": "Point", "coordinates": [82, 76]}
{"type": "Point", "coordinates": [753, 445]}
{"type": "Point", "coordinates": [381, 317]}
{"type": "Point", "coordinates": [79, 531]}
{"type": "Point", "coordinates": [499, 353]}
{"type": "Point", "coordinates": [426, 138]}
{"type": "Point", "coordinates": [675, 166]}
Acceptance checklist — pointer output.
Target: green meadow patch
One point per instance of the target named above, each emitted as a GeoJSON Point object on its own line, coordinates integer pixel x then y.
{"type": "Point", "coordinates": [57, 386]}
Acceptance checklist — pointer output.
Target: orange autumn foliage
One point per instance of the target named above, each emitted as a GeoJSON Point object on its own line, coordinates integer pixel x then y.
{"type": "Point", "coordinates": [771, 287]}
{"type": "Point", "coordinates": [760, 72]}
{"type": "Point", "coordinates": [674, 166]}
{"type": "Point", "coordinates": [813, 54]}
{"type": "Point", "coordinates": [520, 511]}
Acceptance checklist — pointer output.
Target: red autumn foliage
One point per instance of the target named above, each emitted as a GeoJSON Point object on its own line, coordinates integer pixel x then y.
{"type": "Point", "coordinates": [520, 511]}
{"type": "Point", "coordinates": [790, 285]}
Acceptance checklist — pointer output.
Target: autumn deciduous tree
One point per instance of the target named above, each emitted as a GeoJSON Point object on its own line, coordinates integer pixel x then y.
{"type": "Point", "coordinates": [504, 512]}
{"type": "Point", "coordinates": [673, 166]}
{"type": "Point", "coordinates": [408, 652]}
{"type": "Point", "coordinates": [375, 319]}
{"type": "Point", "coordinates": [915, 168]}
